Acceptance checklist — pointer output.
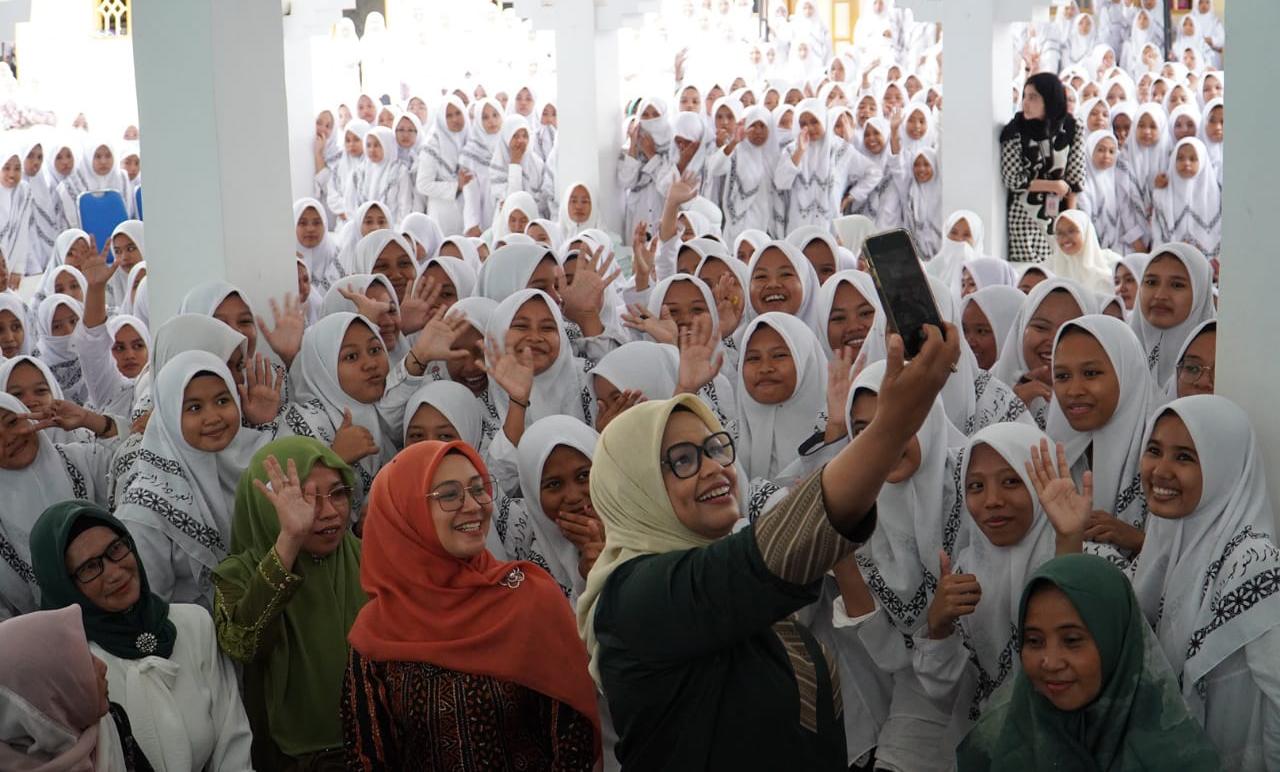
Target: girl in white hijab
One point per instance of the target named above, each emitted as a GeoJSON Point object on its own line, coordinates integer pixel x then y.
{"type": "Point", "coordinates": [647, 165]}
{"type": "Point", "coordinates": [341, 184]}
{"type": "Point", "coordinates": [444, 411]}
{"type": "Point", "coordinates": [516, 167]}
{"type": "Point", "coordinates": [383, 177]}
{"type": "Point", "coordinates": [746, 165]}
{"type": "Point", "coordinates": [1188, 207]}
{"type": "Point", "coordinates": [518, 207]}
{"type": "Point", "coordinates": [71, 247]}
{"type": "Point", "coordinates": [111, 357]}
{"type": "Point", "coordinates": [441, 179]}
{"type": "Point", "coordinates": [365, 219]}
{"type": "Point", "coordinates": [425, 234]}
{"type": "Point", "coordinates": [578, 210]}
{"type": "Point", "coordinates": [962, 241]}
{"type": "Point", "coordinates": [128, 246]}
{"type": "Point", "coordinates": [16, 335]}
{"type": "Point", "coordinates": [55, 320]}
{"type": "Point", "coordinates": [483, 136]}
{"type": "Point", "coordinates": [922, 213]}
{"type": "Point", "coordinates": [987, 315]}
{"type": "Point", "coordinates": [1211, 131]}
{"type": "Point", "coordinates": [315, 245]}
{"type": "Point", "coordinates": [1146, 155]}
{"type": "Point", "coordinates": [1206, 575]}
{"type": "Point", "coordinates": [1078, 256]}
{"type": "Point", "coordinates": [778, 351]}
{"type": "Point", "coordinates": [40, 173]}
{"type": "Point", "coordinates": [1175, 296]}
{"type": "Point", "coordinates": [883, 203]}
{"type": "Point", "coordinates": [19, 236]}
{"type": "Point", "coordinates": [814, 183]}
{"type": "Point", "coordinates": [1103, 396]}
{"type": "Point", "coordinates": [1104, 195]}
{"type": "Point", "coordinates": [97, 170]}
{"type": "Point", "coordinates": [180, 495]}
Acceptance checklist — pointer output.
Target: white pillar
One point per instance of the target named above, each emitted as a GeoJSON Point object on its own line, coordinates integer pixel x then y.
{"type": "Point", "coordinates": [1250, 317]}
{"type": "Point", "coordinates": [211, 105]}
{"type": "Point", "coordinates": [307, 21]}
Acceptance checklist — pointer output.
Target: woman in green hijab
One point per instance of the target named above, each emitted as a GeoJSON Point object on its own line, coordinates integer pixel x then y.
{"type": "Point", "coordinates": [286, 597]}
{"type": "Point", "coordinates": [1095, 691]}
{"type": "Point", "coordinates": [163, 663]}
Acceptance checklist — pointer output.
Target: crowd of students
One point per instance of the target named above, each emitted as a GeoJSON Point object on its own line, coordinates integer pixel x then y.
{"type": "Point", "coordinates": [500, 489]}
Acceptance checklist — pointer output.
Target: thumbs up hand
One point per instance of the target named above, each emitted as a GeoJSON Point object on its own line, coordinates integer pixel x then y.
{"type": "Point", "coordinates": [957, 596]}
{"type": "Point", "coordinates": [352, 442]}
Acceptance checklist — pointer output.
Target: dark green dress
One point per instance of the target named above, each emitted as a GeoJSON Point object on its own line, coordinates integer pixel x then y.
{"type": "Point", "coordinates": [701, 664]}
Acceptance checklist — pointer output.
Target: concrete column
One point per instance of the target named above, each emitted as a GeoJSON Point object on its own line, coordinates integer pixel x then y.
{"type": "Point", "coordinates": [1250, 317]}
{"type": "Point", "coordinates": [211, 104]}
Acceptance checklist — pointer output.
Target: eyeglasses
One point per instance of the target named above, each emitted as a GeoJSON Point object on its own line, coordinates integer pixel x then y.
{"type": "Point", "coordinates": [93, 567]}
{"type": "Point", "coordinates": [339, 497]}
{"type": "Point", "coordinates": [451, 495]}
{"type": "Point", "coordinates": [684, 459]}
{"type": "Point", "coordinates": [1192, 373]}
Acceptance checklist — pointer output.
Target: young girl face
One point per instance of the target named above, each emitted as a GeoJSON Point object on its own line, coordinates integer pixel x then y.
{"type": "Point", "coordinates": [810, 125]}
{"type": "Point", "coordinates": [396, 264]}
{"type": "Point", "coordinates": [1029, 280]}
{"type": "Point", "coordinates": [448, 291]}
{"type": "Point", "coordinates": [544, 276]}
{"type": "Point", "coordinates": [850, 320]}
{"type": "Point", "coordinates": [866, 109]}
{"type": "Point", "coordinates": [534, 328]}
{"type": "Point", "coordinates": [775, 285]}
{"type": "Point", "coordinates": [354, 147]}
{"type": "Point", "coordinates": [1058, 308]}
{"type": "Point", "coordinates": [1159, 89]}
{"type": "Point", "coordinates": [210, 418]}
{"type": "Point", "coordinates": [893, 100]}
{"type": "Point", "coordinates": [1184, 127]}
{"type": "Point", "coordinates": [11, 172]}
{"type": "Point", "coordinates": [366, 109]}
{"type": "Point", "coordinates": [771, 97]}
{"type": "Point", "coordinates": [35, 160]}
{"type": "Point", "coordinates": [913, 85]}
{"type": "Point", "coordinates": [1089, 91]}
{"type": "Point", "coordinates": [66, 284]}
{"type": "Point", "coordinates": [1148, 131]}
{"type": "Point", "coordinates": [922, 170]}
{"type": "Point", "coordinates": [1059, 654]}
{"type": "Point", "coordinates": [873, 140]}
{"type": "Point", "coordinates": [103, 160]}
{"type": "Point", "coordinates": [685, 303]}
{"type": "Point", "coordinates": [1166, 294]}
{"type": "Point", "coordinates": [428, 423]}
{"type": "Point", "coordinates": [1196, 369]}
{"type": "Point", "coordinates": [1170, 469]}
{"type": "Point", "coordinates": [579, 204]}
{"type": "Point", "coordinates": [386, 118]}
{"type": "Point", "coordinates": [520, 141]}
{"type": "Point", "coordinates": [517, 221]}
{"type": "Point", "coordinates": [1099, 117]}
{"type": "Point", "coordinates": [861, 413]}
{"type": "Point", "coordinates": [1211, 89]}
{"type": "Point", "coordinates": [1070, 239]}
{"type": "Point", "coordinates": [454, 118]}
{"type": "Point", "coordinates": [524, 102]}
{"type": "Point", "coordinates": [126, 251]}
{"type": "Point", "coordinates": [491, 120]}
{"type": "Point", "coordinates": [130, 351]}
{"type": "Point", "coordinates": [1121, 127]}
{"type": "Point", "coordinates": [1214, 129]}
{"type": "Point", "coordinates": [690, 102]}
{"type": "Point", "coordinates": [235, 313]}
{"type": "Point", "coordinates": [64, 161]}
{"type": "Point", "coordinates": [980, 335]}
{"type": "Point", "coordinates": [1104, 154]}
{"type": "Point", "coordinates": [310, 228]}
{"type": "Point", "coordinates": [917, 125]}
{"type": "Point", "coordinates": [362, 364]}
{"type": "Point", "coordinates": [565, 486]}
{"type": "Point", "coordinates": [998, 501]}
{"type": "Point", "coordinates": [1084, 381]}
{"type": "Point", "coordinates": [406, 133]}
{"type": "Point", "coordinates": [1187, 162]}
{"type": "Point", "coordinates": [757, 133]}
{"type": "Point", "coordinates": [1126, 286]}
{"type": "Point", "coordinates": [768, 369]}
{"type": "Point", "coordinates": [960, 231]}
{"type": "Point", "coordinates": [967, 285]}
{"type": "Point", "coordinates": [304, 283]}
{"type": "Point", "coordinates": [64, 321]}
{"type": "Point", "coordinates": [12, 335]}
{"type": "Point", "coordinates": [28, 384]}
{"type": "Point", "coordinates": [821, 258]}
{"type": "Point", "coordinates": [1115, 95]}
{"type": "Point", "coordinates": [469, 371]}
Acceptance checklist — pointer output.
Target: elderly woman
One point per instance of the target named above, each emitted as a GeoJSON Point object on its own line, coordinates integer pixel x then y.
{"type": "Point", "coordinates": [162, 660]}
{"type": "Point", "coordinates": [687, 624]}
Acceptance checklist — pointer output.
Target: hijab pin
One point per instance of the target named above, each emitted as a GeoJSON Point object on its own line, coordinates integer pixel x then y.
{"type": "Point", "coordinates": [513, 579]}
{"type": "Point", "coordinates": [146, 643]}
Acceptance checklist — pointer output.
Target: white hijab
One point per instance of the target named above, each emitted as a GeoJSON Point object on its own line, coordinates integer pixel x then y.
{"type": "Point", "coordinates": [1012, 365]}
{"type": "Point", "coordinates": [558, 390]}
{"type": "Point", "coordinates": [1001, 305]}
{"type": "Point", "coordinates": [807, 312]}
{"type": "Point", "coordinates": [1144, 163]}
{"type": "Point", "coordinates": [445, 146]}
{"type": "Point", "coordinates": [1207, 581]}
{"type": "Point", "coordinates": [321, 258]}
{"type": "Point", "coordinates": [12, 302]}
{"type": "Point", "coordinates": [924, 202]}
{"type": "Point", "coordinates": [509, 269]}
{"type": "Point", "coordinates": [812, 190]}
{"type": "Point", "coordinates": [379, 177]}
{"type": "Point", "coordinates": [455, 402]}
{"type": "Point", "coordinates": [118, 288]}
{"type": "Point", "coordinates": [770, 436]}
{"type": "Point", "coordinates": [1162, 345]}
{"type": "Point", "coordinates": [1191, 210]}
{"type": "Point", "coordinates": [1089, 267]}
{"type": "Point", "coordinates": [424, 231]}
{"type": "Point", "coordinates": [865, 286]}
{"type": "Point", "coordinates": [951, 258]}
{"type": "Point", "coordinates": [566, 222]}
{"type": "Point", "coordinates": [641, 365]}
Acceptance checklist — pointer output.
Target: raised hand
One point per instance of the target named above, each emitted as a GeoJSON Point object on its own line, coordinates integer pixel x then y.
{"type": "Point", "coordinates": [352, 442]}
{"type": "Point", "coordinates": [840, 376]}
{"type": "Point", "coordinates": [642, 252]}
{"type": "Point", "coordinates": [611, 409]}
{"type": "Point", "coordinates": [729, 303]}
{"type": "Point", "coordinates": [957, 596]}
{"type": "Point", "coordinates": [1068, 510]}
{"type": "Point", "coordinates": [699, 361]}
{"type": "Point", "coordinates": [909, 388]}
{"type": "Point", "coordinates": [511, 370]}
{"type": "Point", "coordinates": [366, 306]}
{"type": "Point", "coordinates": [686, 155]}
{"type": "Point", "coordinates": [259, 395]}
{"type": "Point", "coordinates": [421, 305]}
{"type": "Point", "coordinates": [647, 145]}
{"type": "Point", "coordinates": [96, 270]}
{"type": "Point", "coordinates": [684, 189]}
{"type": "Point", "coordinates": [436, 343]}
{"type": "Point", "coordinates": [584, 296]}
{"type": "Point", "coordinates": [662, 329]}
{"type": "Point", "coordinates": [290, 322]}
{"type": "Point", "coordinates": [296, 515]}
{"type": "Point", "coordinates": [68, 416]}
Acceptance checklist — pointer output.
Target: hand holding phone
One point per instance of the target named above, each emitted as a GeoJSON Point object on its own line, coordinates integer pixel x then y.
{"type": "Point", "coordinates": [904, 290]}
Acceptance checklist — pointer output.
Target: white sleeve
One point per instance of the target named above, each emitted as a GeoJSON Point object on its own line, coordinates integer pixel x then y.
{"type": "Point", "coordinates": [940, 664]}
{"type": "Point", "coordinates": [664, 262]}
{"type": "Point", "coordinates": [93, 348]}
{"type": "Point", "coordinates": [876, 633]}
{"type": "Point", "coordinates": [717, 163]}
{"type": "Point", "coordinates": [231, 750]}
{"type": "Point", "coordinates": [431, 183]}
{"type": "Point", "coordinates": [1262, 654]}
{"type": "Point", "coordinates": [785, 174]}
{"type": "Point", "coordinates": [400, 387]}
{"type": "Point", "coordinates": [472, 206]}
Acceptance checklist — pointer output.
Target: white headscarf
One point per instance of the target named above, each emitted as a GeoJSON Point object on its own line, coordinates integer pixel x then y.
{"type": "Point", "coordinates": [1001, 305]}
{"type": "Point", "coordinates": [118, 288]}
{"type": "Point", "coordinates": [770, 436]}
{"type": "Point", "coordinates": [807, 311]}
{"type": "Point", "coordinates": [648, 367]}
{"type": "Point", "coordinates": [509, 269]}
{"type": "Point", "coordinates": [424, 231]}
{"type": "Point", "coordinates": [912, 146]}
{"type": "Point", "coordinates": [59, 352]}
{"type": "Point", "coordinates": [536, 445]}
{"type": "Point", "coordinates": [459, 273]}
{"type": "Point", "coordinates": [531, 164]}
{"type": "Point", "coordinates": [1191, 210]}
{"type": "Point", "coordinates": [455, 402]}
{"type": "Point", "coordinates": [1206, 581]}
{"type": "Point", "coordinates": [866, 287]}
{"type": "Point", "coordinates": [1161, 345]}
{"type": "Point", "coordinates": [84, 179]}
{"type": "Point", "coordinates": [520, 201]}
{"type": "Point", "coordinates": [61, 245]}
{"type": "Point", "coordinates": [923, 210]}
{"type": "Point", "coordinates": [445, 146]}
{"type": "Point", "coordinates": [1144, 163]}
{"type": "Point", "coordinates": [470, 254]}
{"type": "Point", "coordinates": [1012, 366]}
{"type": "Point", "coordinates": [12, 302]}
{"type": "Point", "coordinates": [560, 389]}
{"type": "Point", "coordinates": [478, 149]}
{"type": "Point", "coordinates": [853, 230]}
{"type": "Point", "coordinates": [1090, 266]}
{"type": "Point", "coordinates": [319, 259]}
{"type": "Point", "coordinates": [379, 177]}
{"type": "Point", "coordinates": [946, 264]}
{"type": "Point", "coordinates": [567, 222]}
{"type": "Point", "coordinates": [1100, 186]}
{"type": "Point", "coordinates": [813, 189]}
{"type": "Point", "coordinates": [748, 196]}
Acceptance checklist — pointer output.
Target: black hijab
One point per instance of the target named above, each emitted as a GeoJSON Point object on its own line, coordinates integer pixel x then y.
{"type": "Point", "coordinates": [1058, 125]}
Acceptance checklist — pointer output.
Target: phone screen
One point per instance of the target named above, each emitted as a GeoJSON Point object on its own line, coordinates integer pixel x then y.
{"type": "Point", "coordinates": [904, 291]}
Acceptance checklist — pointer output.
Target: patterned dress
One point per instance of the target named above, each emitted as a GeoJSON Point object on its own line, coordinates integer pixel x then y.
{"type": "Point", "coordinates": [1022, 161]}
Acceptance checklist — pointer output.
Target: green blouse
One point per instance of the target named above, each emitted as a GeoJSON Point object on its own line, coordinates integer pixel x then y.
{"type": "Point", "coordinates": [701, 663]}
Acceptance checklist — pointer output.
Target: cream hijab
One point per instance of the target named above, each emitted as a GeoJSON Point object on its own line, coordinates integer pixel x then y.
{"type": "Point", "coordinates": [1089, 267]}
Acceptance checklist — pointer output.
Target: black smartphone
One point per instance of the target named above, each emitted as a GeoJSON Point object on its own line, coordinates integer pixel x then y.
{"type": "Point", "coordinates": [904, 290]}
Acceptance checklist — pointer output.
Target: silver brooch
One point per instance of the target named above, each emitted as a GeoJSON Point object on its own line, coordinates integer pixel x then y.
{"type": "Point", "coordinates": [513, 579]}
{"type": "Point", "coordinates": [147, 643]}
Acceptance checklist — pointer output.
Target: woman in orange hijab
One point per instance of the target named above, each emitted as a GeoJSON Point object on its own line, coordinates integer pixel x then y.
{"type": "Point", "coordinates": [487, 653]}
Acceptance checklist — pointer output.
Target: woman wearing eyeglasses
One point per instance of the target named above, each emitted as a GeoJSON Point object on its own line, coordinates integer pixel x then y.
{"type": "Point", "coordinates": [688, 625]}
{"type": "Point", "coordinates": [286, 597]}
{"type": "Point", "coordinates": [163, 663]}
{"type": "Point", "coordinates": [459, 661]}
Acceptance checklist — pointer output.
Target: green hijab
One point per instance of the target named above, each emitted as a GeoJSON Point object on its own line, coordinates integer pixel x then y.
{"type": "Point", "coordinates": [302, 675]}
{"type": "Point", "coordinates": [143, 630]}
{"type": "Point", "coordinates": [1137, 722]}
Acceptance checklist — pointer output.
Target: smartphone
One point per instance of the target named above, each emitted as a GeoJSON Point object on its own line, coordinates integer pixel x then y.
{"type": "Point", "coordinates": [904, 290]}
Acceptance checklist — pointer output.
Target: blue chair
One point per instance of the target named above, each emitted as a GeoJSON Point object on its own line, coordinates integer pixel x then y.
{"type": "Point", "coordinates": [137, 201]}
{"type": "Point", "coordinates": [100, 212]}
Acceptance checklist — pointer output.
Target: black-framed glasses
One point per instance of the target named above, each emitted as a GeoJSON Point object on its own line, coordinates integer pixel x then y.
{"type": "Point", "coordinates": [339, 497]}
{"type": "Point", "coordinates": [93, 567]}
{"type": "Point", "coordinates": [451, 495]}
{"type": "Point", "coordinates": [684, 459]}
{"type": "Point", "coordinates": [1192, 373]}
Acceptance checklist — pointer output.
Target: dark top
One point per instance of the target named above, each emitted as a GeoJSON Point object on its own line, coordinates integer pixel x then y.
{"type": "Point", "coordinates": [701, 665]}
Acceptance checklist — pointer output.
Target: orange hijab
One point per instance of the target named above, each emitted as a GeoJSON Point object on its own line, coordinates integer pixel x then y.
{"type": "Point", "coordinates": [475, 616]}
